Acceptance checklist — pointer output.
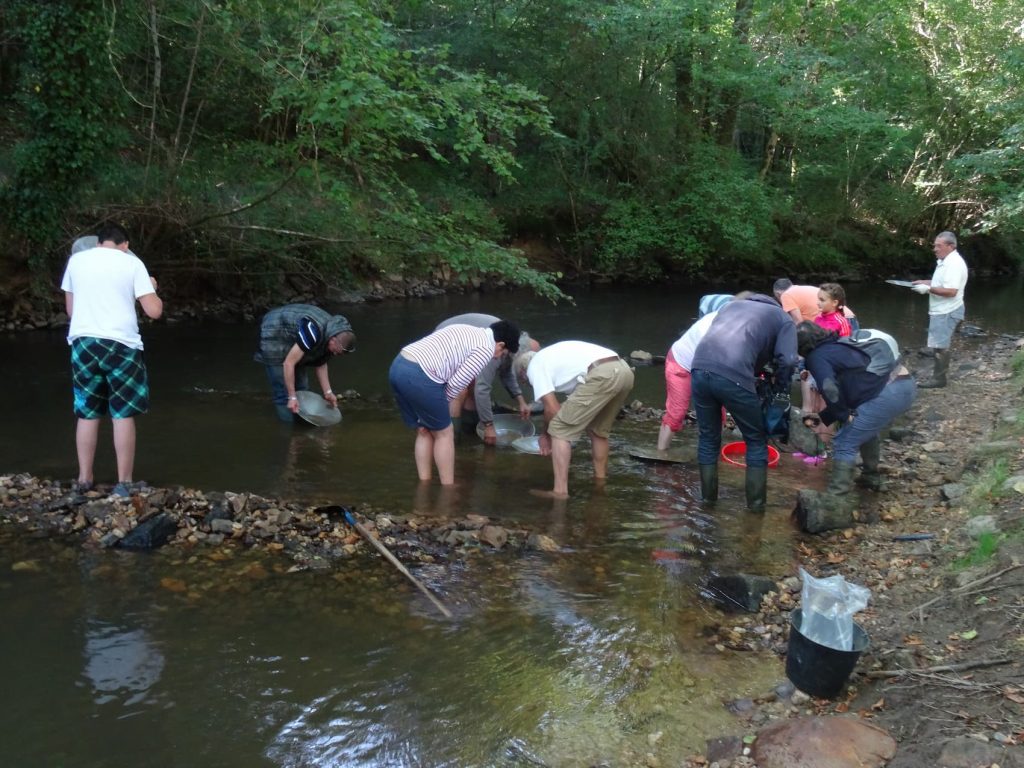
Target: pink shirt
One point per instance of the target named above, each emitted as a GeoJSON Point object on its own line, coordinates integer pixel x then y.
{"type": "Point", "coordinates": [834, 321]}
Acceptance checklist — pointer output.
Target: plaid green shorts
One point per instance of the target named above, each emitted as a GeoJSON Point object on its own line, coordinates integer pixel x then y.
{"type": "Point", "coordinates": [108, 377]}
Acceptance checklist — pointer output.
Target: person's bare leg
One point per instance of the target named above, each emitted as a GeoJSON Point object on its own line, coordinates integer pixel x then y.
{"type": "Point", "coordinates": [424, 453]}
{"type": "Point", "coordinates": [599, 453]}
{"type": "Point", "coordinates": [86, 435]}
{"type": "Point", "coordinates": [664, 437]}
{"type": "Point", "coordinates": [806, 396]}
{"type": "Point", "coordinates": [444, 454]}
{"type": "Point", "coordinates": [124, 448]}
{"type": "Point", "coordinates": [561, 455]}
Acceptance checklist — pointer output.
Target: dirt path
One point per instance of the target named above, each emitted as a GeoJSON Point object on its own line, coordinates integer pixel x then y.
{"type": "Point", "coordinates": [943, 674]}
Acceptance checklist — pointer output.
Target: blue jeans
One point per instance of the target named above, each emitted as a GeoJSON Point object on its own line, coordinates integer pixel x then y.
{"type": "Point", "coordinates": [711, 393]}
{"type": "Point", "coordinates": [279, 392]}
{"type": "Point", "coordinates": [872, 417]}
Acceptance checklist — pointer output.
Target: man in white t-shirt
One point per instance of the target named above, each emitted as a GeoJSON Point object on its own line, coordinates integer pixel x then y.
{"type": "Point", "coordinates": [596, 382]}
{"type": "Point", "coordinates": [101, 285]}
{"type": "Point", "coordinates": [945, 304]}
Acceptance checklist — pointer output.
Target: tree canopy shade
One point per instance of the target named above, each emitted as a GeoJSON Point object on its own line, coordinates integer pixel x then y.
{"type": "Point", "coordinates": [333, 140]}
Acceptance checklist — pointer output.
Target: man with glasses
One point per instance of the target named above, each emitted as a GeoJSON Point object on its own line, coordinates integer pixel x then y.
{"type": "Point", "coordinates": [945, 304]}
{"type": "Point", "coordinates": [294, 338]}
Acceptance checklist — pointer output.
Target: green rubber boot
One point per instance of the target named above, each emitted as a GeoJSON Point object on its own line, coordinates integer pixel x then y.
{"type": "Point", "coordinates": [870, 455]}
{"type": "Point", "coordinates": [817, 512]}
{"type": "Point", "coordinates": [939, 370]}
{"type": "Point", "coordinates": [757, 488]}
{"type": "Point", "coordinates": [708, 482]}
{"type": "Point", "coordinates": [840, 482]}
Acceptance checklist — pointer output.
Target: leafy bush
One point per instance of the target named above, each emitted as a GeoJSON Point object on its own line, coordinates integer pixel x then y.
{"type": "Point", "coordinates": [712, 206]}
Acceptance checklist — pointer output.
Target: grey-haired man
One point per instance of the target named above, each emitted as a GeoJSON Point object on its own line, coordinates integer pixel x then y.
{"type": "Point", "coordinates": [296, 337]}
{"type": "Point", "coordinates": [945, 304]}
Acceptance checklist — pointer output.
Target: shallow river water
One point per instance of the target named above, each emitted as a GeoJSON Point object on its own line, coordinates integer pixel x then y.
{"type": "Point", "coordinates": [595, 655]}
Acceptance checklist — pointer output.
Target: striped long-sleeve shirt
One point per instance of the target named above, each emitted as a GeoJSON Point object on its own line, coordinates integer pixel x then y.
{"type": "Point", "coordinates": [453, 356]}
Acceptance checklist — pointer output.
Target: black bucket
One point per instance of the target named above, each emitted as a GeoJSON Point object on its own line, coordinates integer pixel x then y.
{"type": "Point", "coordinates": [816, 669]}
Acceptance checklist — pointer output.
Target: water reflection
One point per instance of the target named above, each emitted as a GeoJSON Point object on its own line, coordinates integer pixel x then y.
{"type": "Point", "coordinates": [121, 664]}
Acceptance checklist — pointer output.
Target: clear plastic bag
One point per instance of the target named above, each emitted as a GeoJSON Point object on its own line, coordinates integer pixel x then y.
{"type": "Point", "coordinates": [828, 606]}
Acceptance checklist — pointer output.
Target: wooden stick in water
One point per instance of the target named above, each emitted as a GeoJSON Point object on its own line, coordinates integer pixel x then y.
{"type": "Point", "coordinates": [351, 520]}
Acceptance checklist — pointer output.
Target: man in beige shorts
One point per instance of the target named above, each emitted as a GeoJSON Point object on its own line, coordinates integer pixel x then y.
{"type": "Point", "coordinates": [596, 381]}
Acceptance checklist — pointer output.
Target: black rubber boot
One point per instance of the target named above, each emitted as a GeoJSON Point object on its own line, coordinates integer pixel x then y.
{"type": "Point", "coordinates": [757, 488]}
{"type": "Point", "coordinates": [708, 482]}
{"type": "Point", "coordinates": [817, 512]}
{"type": "Point", "coordinates": [469, 421]}
{"type": "Point", "coordinates": [870, 455]}
{"type": "Point", "coordinates": [939, 371]}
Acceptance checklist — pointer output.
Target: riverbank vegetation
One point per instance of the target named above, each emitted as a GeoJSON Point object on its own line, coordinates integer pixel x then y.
{"type": "Point", "coordinates": [250, 147]}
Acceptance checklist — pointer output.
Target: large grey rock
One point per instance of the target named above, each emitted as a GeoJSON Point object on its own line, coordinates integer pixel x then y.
{"type": "Point", "coordinates": [953, 491]}
{"type": "Point", "coordinates": [150, 534]}
{"type": "Point", "coordinates": [222, 526]}
{"type": "Point", "coordinates": [542, 542]}
{"type": "Point", "coordinates": [823, 742]}
{"type": "Point", "coordinates": [976, 527]}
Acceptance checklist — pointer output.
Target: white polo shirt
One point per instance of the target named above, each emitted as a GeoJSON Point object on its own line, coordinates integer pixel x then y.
{"type": "Point", "coordinates": [950, 272]}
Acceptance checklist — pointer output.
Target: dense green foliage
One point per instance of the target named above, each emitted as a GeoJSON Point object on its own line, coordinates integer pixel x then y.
{"type": "Point", "coordinates": [330, 141]}
{"type": "Point", "coordinates": [60, 81]}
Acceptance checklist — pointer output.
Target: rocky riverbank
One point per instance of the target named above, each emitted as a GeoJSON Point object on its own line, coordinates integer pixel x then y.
{"type": "Point", "coordinates": [942, 551]}
{"type": "Point", "coordinates": [312, 537]}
